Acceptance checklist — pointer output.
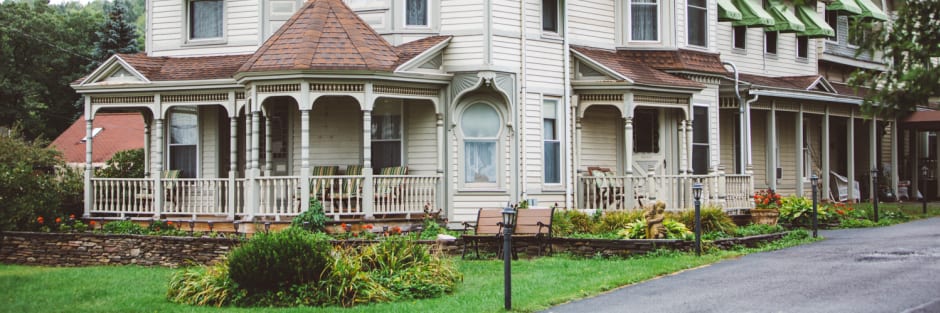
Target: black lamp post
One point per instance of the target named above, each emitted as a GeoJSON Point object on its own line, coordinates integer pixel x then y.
{"type": "Point", "coordinates": [874, 197]}
{"type": "Point", "coordinates": [815, 181]}
{"type": "Point", "coordinates": [508, 218]}
{"type": "Point", "coordinates": [923, 187]}
{"type": "Point", "coordinates": [697, 194]}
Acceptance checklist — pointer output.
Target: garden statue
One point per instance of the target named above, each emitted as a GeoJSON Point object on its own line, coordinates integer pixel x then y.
{"type": "Point", "coordinates": [654, 221]}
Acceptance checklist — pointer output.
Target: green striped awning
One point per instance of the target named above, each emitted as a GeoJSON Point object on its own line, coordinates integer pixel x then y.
{"type": "Point", "coordinates": [848, 7]}
{"type": "Point", "coordinates": [786, 22]}
{"type": "Point", "coordinates": [752, 15]}
{"type": "Point", "coordinates": [727, 12]}
{"type": "Point", "coordinates": [816, 26]}
{"type": "Point", "coordinates": [870, 10]}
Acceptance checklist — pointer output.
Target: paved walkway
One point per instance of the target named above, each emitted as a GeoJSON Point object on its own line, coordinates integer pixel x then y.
{"type": "Point", "coordinates": [887, 269]}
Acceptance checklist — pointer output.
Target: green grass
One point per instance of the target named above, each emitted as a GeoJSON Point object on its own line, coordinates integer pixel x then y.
{"type": "Point", "coordinates": [537, 284]}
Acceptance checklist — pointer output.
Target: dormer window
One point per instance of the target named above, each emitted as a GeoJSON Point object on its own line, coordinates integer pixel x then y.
{"type": "Point", "coordinates": [644, 20]}
{"type": "Point", "coordinates": [416, 13]}
{"type": "Point", "coordinates": [205, 19]}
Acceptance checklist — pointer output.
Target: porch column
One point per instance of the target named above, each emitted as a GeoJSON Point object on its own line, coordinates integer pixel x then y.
{"type": "Point", "coordinates": [147, 146]}
{"type": "Point", "coordinates": [772, 148]}
{"type": "Point", "coordinates": [825, 156]}
{"type": "Point", "coordinates": [800, 165]}
{"type": "Point", "coordinates": [688, 148]}
{"type": "Point", "coordinates": [894, 157]}
{"type": "Point", "coordinates": [157, 173]}
{"type": "Point", "coordinates": [232, 163]}
{"type": "Point", "coordinates": [850, 155]}
{"type": "Point", "coordinates": [254, 194]}
{"type": "Point", "coordinates": [368, 207]}
{"type": "Point", "coordinates": [873, 153]}
{"type": "Point", "coordinates": [305, 159]}
{"type": "Point", "coordinates": [268, 151]}
{"type": "Point", "coordinates": [629, 192]}
{"type": "Point", "coordinates": [89, 171]}
{"type": "Point", "coordinates": [682, 149]}
{"type": "Point", "coordinates": [439, 125]}
{"type": "Point", "coordinates": [577, 161]}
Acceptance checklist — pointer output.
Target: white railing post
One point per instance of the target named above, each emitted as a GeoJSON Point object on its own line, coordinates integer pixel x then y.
{"type": "Point", "coordinates": [722, 185]}
{"type": "Point", "coordinates": [368, 193]}
{"type": "Point", "coordinates": [157, 173]}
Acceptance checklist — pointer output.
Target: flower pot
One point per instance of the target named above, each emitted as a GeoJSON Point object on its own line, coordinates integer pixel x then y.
{"type": "Point", "coordinates": [764, 216]}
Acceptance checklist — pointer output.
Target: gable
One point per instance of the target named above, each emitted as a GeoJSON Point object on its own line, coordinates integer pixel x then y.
{"type": "Point", "coordinates": [115, 71]}
{"type": "Point", "coordinates": [584, 71]}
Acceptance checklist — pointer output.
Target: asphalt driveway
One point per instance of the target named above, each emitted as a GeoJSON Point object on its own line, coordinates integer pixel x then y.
{"type": "Point", "coordinates": [887, 269]}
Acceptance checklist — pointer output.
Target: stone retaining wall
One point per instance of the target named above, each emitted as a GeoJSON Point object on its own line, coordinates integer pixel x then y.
{"type": "Point", "coordinates": [88, 249]}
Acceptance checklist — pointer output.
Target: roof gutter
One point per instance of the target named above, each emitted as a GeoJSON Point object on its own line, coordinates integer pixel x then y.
{"type": "Point", "coordinates": [803, 96]}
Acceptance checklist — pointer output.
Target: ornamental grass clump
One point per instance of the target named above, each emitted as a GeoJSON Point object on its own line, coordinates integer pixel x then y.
{"type": "Point", "coordinates": [714, 219]}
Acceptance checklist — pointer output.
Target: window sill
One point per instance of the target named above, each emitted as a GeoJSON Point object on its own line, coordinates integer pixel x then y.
{"type": "Point", "coordinates": [741, 51]}
{"type": "Point", "coordinates": [768, 55]}
{"type": "Point", "coordinates": [482, 190]}
{"type": "Point", "coordinates": [205, 42]}
{"type": "Point", "coordinates": [803, 60]}
{"type": "Point", "coordinates": [552, 36]}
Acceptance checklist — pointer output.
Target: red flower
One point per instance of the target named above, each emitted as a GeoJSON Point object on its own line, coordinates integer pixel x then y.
{"type": "Point", "coordinates": [343, 225]}
{"type": "Point", "coordinates": [840, 212]}
{"type": "Point", "coordinates": [169, 223]}
{"type": "Point", "coordinates": [355, 234]}
{"type": "Point", "coordinates": [368, 226]}
{"type": "Point", "coordinates": [396, 230]}
{"type": "Point", "coordinates": [92, 223]}
{"type": "Point", "coordinates": [71, 216]}
{"type": "Point", "coordinates": [58, 220]}
{"type": "Point", "coordinates": [40, 220]}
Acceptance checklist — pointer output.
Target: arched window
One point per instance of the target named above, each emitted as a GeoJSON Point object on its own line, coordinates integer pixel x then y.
{"type": "Point", "coordinates": [480, 126]}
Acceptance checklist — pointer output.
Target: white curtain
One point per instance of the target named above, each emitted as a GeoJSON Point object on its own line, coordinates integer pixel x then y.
{"type": "Point", "coordinates": [480, 126]}
{"type": "Point", "coordinates": [644, 17]}
{"type": "Point", "coordinates": [417, 12]}
{"type": "Point", "coordinates": [205, 19]}
{"type": "Point", "coordinates": [551, 155]}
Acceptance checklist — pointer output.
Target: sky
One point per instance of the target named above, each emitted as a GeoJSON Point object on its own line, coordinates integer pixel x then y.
{"type": "Point", "coordinates": [64, 1]}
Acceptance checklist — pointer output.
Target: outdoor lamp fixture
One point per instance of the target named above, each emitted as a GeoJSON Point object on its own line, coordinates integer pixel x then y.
{"type": "Point", "coordinates": [192, 227]}
{"type": "Point", "coordinates": [509, 215]}
{"type": "Point", "coordinates": [267, 226]}
{"type": "Point", "coordinates": [815, 180]}
{"type": "Point", "coordinates": [235, 226]}
{"type": "Point", "coordinates": [697, 194]}
{"type": "Point", "coordinates": [874, 188]}
{"type": "Point", "coordinates": [923, 187]}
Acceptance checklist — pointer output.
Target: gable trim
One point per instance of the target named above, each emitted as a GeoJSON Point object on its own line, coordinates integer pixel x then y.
{"type": "Point", "coordinates": [823, 84]}
{"type": "Point", "coordinates": [108, 67]}
{"type": "Point", "coordinates": [597, 65]}
{"type": "Point", "coordinates": [425, 56]}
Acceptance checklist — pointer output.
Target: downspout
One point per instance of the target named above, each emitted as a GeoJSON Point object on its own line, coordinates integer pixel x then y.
{"type": "Point", "coordinates": [522, 94]}
{"type": "Point", "coordinates": [569, 184]}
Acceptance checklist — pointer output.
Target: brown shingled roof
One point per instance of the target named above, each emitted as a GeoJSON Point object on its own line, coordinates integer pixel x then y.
{"type": "Point", "coordinates": [409, 50]}
{"type": "Point", "coordinates": [844, 89]}
{"type": "Point", "coordinates": [324, 35]}
{"type": "Point", "coordinates": [185, 68]}
{"type": "Point", "coordinates": [119, 131]}
{"type": "Point", "coordinates": [678, 60]}
{"type": "Point", "coordinates": [634, 68]}
{"type": "Point", "coordinates": [802, 83]}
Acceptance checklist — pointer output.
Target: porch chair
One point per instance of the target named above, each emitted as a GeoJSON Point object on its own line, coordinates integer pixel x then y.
{"type": "Point", "coordinates": [350, 188]}
{"type": "Point", "coordinates": [388, 188]}
{"type": "Point", "coordinates": [535, 225]}
{"type": "Point", "coordinates": [168, 187]}
{"type": "Point", "coordinates": [607, 192]}
{"type": "Point", "coordinates": [488, 228]}
{"type": "Point", "coordinates": [321, 186]}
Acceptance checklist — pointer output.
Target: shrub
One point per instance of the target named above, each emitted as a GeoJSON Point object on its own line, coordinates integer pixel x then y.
{"type": "Point", "coordinates": [209, 285]}
{"type": "Point", "coordinates": [796, 210]}
{"type": "Point", "coordinates": [272, 260]}
{"type": "Point", "coordinates": [123, 164]}
{"type": "Point", "coordinates": [313, 219]}
{"type": "Point", "coordinates": [637, 230]}
{"type": "Point", "coordinates": [617, 220]}
{"type": "Point", "coordinates": [757, 229]}
{"type": "Point", "coordinates": [30, 186]}
{"type": "Point", "coordinates": [714, 219]}
{"type": "Point", "coordinates": [567, 222]}
{"type": "Point", "coordinates": [123, 227]}
{"type": "Point", "coordinates": [349, 282]}
{"type": "Point", "coordinates": [409, 269]}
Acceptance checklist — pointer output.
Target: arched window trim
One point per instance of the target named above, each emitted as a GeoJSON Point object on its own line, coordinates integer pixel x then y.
{"type": "Point", "coordinates": [498, 149]}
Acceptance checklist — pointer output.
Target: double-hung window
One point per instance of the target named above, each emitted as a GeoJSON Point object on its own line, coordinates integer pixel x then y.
{"type": "Point", "coordinates": [646, 131]}
{"type": "Point", "coordinates": [802, 47]}
{"type": "Point", "coordinates": [740, 37]}
{"type": "Point", "coordinates": [644, 20]}
{"type": "Point", "coordinates": [480, 125]}
{"type": "Point", "coordinates": [184, 137]}
{"type": "Point", "coordinates": [386, 135]}
{"type": "Point", "coordinates": [700, 141]}
{"type": "Point", "coordinates": [551, 142]}
{"type": "Point", "coordinates": [770, 42]}
{"type": "Point", "coordinates": [416, 12]}
{"type": "Point", "coordinates": [205, 19]}
{"type": "Point", "coordinates": [550, 16]}
{"type": "Point", "coordinates": [697, 25]}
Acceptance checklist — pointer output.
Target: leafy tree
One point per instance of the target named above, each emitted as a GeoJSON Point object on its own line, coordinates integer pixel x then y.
{"type": "Point", "coordinates": [42, 50]}
{"type": "Point", "coordinates": [116, 34]}
{"type": "Point", "coordinates": [124, 164]}
{"type": "Point", "coordinates": [911, 47]}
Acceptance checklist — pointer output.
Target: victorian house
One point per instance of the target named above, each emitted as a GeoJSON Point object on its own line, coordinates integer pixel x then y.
{"type": "Point", "coordinates": [387, 108]}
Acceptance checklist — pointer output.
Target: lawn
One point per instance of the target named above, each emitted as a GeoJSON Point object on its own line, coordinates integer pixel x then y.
{"type": "Point", "coordinates": [537, 284]}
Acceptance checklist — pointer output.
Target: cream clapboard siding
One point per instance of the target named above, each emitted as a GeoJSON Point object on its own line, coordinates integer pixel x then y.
{"type": "Point", "coordinates": [592, 23]}
{"type": "Point", "coordinates": [506, 52]}
{"type": "Point", "coordinates": [753, 60]}
{"type": "Point", "coordinates": [420, 138]}
{"type": "Point", "coordinates": [209, 141]}
{"type": "Point", "coordinates": [506, 16]}
{"type": "Point", "coordinates": [545, 66]}
{"type": "Point", "coordinates": [600, 137]}
{"type": "Point", "coordinates": [464, 20]}
{"type": "Point", "coordinates": [533, 142]}
{"type": "Point", "coordinates": [786, 141]}
{"type": "Point", "coordinates": [728, 141]}
{"type": "Point", "coordinates": [763, 173]}
{"type": "Point", "coordinates": [335, 133]}
{"type": "Point", "coordinates": [168, 33]}
{"type": "Point", "coordinates": [466, 202]}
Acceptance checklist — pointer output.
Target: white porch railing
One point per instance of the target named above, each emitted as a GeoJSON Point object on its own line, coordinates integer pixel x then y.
{"type": "Point", "coordinates": [405, 194]}
{"type": "Point", "coordinates": [121, 196]}
{"type": "Point", "coordinates": [196, 196]}
{"type": "Point", "coordinates": [279, 196]}
{"type": "Point", "coordinates": [626, 192]}
{"type": "Point", "coordinates": [340, 195]}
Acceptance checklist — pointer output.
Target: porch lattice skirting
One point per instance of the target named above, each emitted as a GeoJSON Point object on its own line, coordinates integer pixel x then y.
{"type": "Point", "coordinates": [277, 198]}
{"type": "Point", "coordinates": [730, 192]}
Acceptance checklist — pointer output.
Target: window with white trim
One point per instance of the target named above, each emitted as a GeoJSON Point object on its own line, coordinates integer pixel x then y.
{"type": "Point", "coordinates": [416, 12]}
{"type": "Point", "coordinates": [700, 156]}
{"type": "Point", "coordinates": [184, 138]}
{"type": "Point", "coordinates": [386, 135]}
{"type": "Point", "coordinates": [205, 19]}
{"type": "Point", "coordinates": [480, 126]}
{"type": "Point", "coordinates": [832, 18]}
{"type": "Point", "coordinates": [739, 37]}
{"type": "Point", "coordinates": [551, 17]}
{"type": "Point", "coordinates": [646, 131]}
{"type": "Point", "coordinates": [770, 42]}
{"type": "Point", "coordinates": [551, 142]}
{"type": "Point", "coordinates": [697, 23]}
{"type": "Point", "coordinates": [802, 47]}
{"type": "Point", "coordinates": [644, 20]}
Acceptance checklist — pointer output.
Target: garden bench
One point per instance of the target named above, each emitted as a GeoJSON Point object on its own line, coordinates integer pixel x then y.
{"type": "Point", "coordinates": [488, 227]}
{"type": "Point", "coordinates": [535, 224]}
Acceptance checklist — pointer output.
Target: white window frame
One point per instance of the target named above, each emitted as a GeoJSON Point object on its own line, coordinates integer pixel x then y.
{"type": "Point", "coordinates": [806, 47]}
{"type": "Point", "coordinates": [734, 38]}
{"type": "Point", "coordinates": [401, 133]}
{"type": "Point", "coordinates": [629, 24]}
{"type": "Point", "coordinates": [167, 155]}
{"type": "Point", "coordinates": [559, 135]}
{"type": "Point", "coordinates": [688, 32]}
{"type": "Point", "coordinates": [188, 24]}
{"type": "Point", "coordinates": [427, 15]}
{"type": "Point", "coordinates": [559, 18]}
{"type": "Point", "coordinates": [499, 158]}
{"type": "Point", "coordinates": [707, 143]}
{"type": "Point", "coordinates": [834, 25]}
{"type": "Point", "coordinates": [776, 43]}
